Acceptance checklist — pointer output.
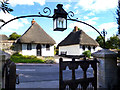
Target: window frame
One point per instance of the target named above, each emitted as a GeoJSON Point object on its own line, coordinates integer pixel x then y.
{"type": "Point", "coordinates": [47, 47]}
{"type": "Point", "coordinates": [29, 46]}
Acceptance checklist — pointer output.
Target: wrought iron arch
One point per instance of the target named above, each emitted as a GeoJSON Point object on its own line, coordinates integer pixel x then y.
{"type": "Point", "coordinates": [47, 11]}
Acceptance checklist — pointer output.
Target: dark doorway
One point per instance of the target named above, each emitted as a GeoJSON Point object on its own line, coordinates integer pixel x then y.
{"type": "Point", "coordinates": [38, 50]}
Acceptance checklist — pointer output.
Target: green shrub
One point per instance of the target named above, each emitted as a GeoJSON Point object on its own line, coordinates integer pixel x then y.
{"type": "Point", "coordinates": [87, 53]}
{"type": "Point", "coordinates": [17, 54]}
{"type": "Point", "coordinates": [12, 47]}
{"type": "Point", "coordinates": [49, 60]}
{"type": "Point", "coordinates": [19, 58]}
{"type": "Point", "coordinates": [3, 50]}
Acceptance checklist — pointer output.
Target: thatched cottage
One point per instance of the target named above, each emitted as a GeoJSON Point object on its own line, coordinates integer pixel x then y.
{"type": "Point", "coordinates": [5, 44]}
{"type": "Point", "coordinates": [76, 43]}
{"type": "Point", "coordinates": [35, 41]}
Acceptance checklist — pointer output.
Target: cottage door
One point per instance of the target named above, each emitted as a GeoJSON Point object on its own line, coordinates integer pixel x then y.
{"type": "Point", "coordinates": [38, 50]}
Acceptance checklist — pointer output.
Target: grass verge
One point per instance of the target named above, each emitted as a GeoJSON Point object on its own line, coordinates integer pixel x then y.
{"type": "Point", "coordinates": [19, 58]}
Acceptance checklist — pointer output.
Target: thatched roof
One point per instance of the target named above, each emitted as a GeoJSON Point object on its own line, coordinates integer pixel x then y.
{"type": "Point", "coordinates": [78, 37]}
{"type": "Point", "coordinates": [35, 34]}
{"type": "Point", "coordinates": [3, 37]}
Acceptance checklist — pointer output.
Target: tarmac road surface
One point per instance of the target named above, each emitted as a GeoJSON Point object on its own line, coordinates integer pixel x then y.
{"type": "Point", "coordinates": [43, 75]}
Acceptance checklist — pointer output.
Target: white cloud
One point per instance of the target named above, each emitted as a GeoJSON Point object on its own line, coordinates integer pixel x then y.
{"type": "Point", "coordinates": [84, 27]}
{"type": "Point", "coordinates": [26, 2]}
{"type": "Point", "coordinates": [98, 5]}
{"type": "Point", "coordinates": [12, 26]}
{"type": "Point", "coordinates": [85, 17]}
{"type": "Point", "coordinates": [108, 26]}
{"type": "Point", "coordinates": [92, 21]}
{"type": "Point", "coordinates": [67, 6]}
{"type": "Point", "coordinates": [76, 12]}
{"type": "Point", "coordinates": [75, 7]}
{"type": "Point", "coordinates": [91, 14]}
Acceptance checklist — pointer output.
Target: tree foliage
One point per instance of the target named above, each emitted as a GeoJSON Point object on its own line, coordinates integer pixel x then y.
{"type": "Point", "coordinates": [14, 36]}
{"type": "Point", "coordinates": [87, 53]}
{"type": "Point", "coordinates": [118, 16]}
{"type": "Point", "coordinates": [100, 41]}
{"type": "Point", "coordinates": [4, 6]}
{"type": "Point", "coordinates": [111, 43]}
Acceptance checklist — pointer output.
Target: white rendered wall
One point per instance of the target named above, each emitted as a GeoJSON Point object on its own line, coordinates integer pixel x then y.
{"type": "Point", "coordinates": [33, 51]}
{"type": "Point", "coordinates": [76, 49]}
{"type": "Point", "coordinates": [71, 49]}
{"type": "Point", "coordinates": [48, 52]}
{"type": "Point", "coordinates": [29, 52]}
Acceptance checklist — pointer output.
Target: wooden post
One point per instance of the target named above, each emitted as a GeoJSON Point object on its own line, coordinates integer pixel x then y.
{"type": "Point", "coordinates": [12, 76]}
{"type": "Point", "coordinates": [95, 73]}
{"type": "Point", "coordinates": [60, 74]}
{"type": "Point", "coordinates": [73, 69]}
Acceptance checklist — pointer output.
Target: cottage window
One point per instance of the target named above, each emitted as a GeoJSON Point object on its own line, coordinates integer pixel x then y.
{"type": "Point", "coordinates": [83, 47]}
{"type": "Point", "coordinates": [29, 46]}
{"type": "Point", "coordinates": [47, 47]}
{"type": "Point", "coordinates": [89, 48]}
{"type": "Point", "coordinates": [94, 47]}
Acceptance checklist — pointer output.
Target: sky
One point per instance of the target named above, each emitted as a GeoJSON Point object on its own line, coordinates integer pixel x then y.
{"type": "Point", "coordinates": [99, 13]}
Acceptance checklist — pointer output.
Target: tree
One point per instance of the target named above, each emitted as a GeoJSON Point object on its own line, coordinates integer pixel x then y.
{"type": "Point", "coordinates": [112, 42]}
{"type": "Point", "coordinates": [14, 36]}
{"type": "Point", "coordinates": [118, 16]}
{"type": "Point", "coordinates": [100, 41]}
{"type": "Point", "coordinates": [4, 6]}
{"type": "Point", "coordinates": [118, 22]}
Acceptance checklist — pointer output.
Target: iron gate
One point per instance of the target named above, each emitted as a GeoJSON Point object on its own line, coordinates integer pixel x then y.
{"type": "Point", "coordinates": [81, 83]}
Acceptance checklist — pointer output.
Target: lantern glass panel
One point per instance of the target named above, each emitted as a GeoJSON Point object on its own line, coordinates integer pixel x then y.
{"type": "Point", "coordinates": [61, 23]}
{"type": "Point", "coordinates": [55, 23]}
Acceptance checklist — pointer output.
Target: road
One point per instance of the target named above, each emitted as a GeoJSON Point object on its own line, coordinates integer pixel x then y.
{"type": "Point", "coordinates": [43, 75]}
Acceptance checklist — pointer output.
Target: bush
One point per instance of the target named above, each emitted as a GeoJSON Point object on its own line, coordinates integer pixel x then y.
{"type": "Point", "coordinates": [87, 53]}
{"type": "Point", "coordinates": [49, 60]}
{"type": "Point", "coordinates": [19, 58]}
{"type": "Point", "coordinates": [29, 57]}
{"type": "Point", "coordinates": [17, 54]}
{"type": "Point", "coordinates": [12, 47]}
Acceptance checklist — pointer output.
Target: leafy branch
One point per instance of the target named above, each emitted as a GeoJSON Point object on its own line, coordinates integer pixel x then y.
{"type": "Point", "coordinates": [4, 6]}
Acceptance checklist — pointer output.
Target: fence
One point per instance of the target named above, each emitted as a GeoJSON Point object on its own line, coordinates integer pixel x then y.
{"type": "Point", "coordinates": [81, 83]}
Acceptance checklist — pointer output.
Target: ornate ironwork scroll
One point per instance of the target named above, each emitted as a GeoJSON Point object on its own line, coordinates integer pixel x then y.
{"type": "Point", "coordinates": [70, 14]}
{"type": "Point", "coordinates": [46, 11]}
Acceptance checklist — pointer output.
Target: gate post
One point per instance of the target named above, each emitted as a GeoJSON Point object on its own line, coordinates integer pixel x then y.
{"type": "Point", "coordinates": [2, 58]}
{"type": "Point", "coordinates": [107, 68]}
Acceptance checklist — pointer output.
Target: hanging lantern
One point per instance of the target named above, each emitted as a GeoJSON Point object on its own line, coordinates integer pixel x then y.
{"type": "Point", "coordinates": [60, 19]}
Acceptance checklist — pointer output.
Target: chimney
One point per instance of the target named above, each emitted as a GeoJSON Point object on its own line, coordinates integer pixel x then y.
{"type": "Point", "coordinates": [33, 21]}
{"type": "Point", "coordinates": [75, 29]}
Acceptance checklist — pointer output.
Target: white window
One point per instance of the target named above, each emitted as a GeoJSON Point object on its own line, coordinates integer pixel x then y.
{"type": "Point", "coordinates": [29, 46]}
{"type": "Point", "coordinates": [83, 47]}
{"type": "Point", "coordinates": [89, 48]}
{"type": "Point", "coordinates": [47, 47]}
{"type": "Point", "coordinates": [94, 48]}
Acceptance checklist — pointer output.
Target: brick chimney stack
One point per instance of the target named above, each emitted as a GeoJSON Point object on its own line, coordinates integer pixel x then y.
{"type": "Point", "coordinates": [33, 21]}
{"type": "Point", "coordinates": [75, 29]}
